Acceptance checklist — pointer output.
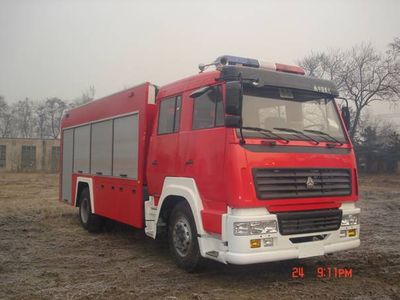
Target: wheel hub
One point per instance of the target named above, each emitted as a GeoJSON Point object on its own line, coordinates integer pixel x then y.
{"type": "Point", "coordinates": [182, 236]}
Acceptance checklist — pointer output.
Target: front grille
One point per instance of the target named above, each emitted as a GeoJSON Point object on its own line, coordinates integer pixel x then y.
{"type": "Point", "coordinates": [309, 221]}
{"type": "Point", "coordinates": [301, 183]}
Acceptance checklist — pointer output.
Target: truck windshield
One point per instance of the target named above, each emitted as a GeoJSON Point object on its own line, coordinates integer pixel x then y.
{"type": "Point", "coordinates": [294, 115]}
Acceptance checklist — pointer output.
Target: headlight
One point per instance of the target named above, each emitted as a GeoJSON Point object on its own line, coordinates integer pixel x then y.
{"type": "Point", "coordinates": [348, 220]}
{"type": "Point", "coordinates": [241, 228]}
{"type": "Point", "coordinates": [254, 227]}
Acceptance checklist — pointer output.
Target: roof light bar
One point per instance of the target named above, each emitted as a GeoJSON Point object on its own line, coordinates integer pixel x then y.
{"type": "Point", "coordinates": [254, 63]}
{"type": "Point", "coordinates": [236, 60]}
{"type": "Point", "coordinates": [289, 69]}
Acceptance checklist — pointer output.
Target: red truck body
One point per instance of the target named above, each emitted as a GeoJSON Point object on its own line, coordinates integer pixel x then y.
{"type": "Point", "coordinates": [117, 198]}
{"type": "Point", "coordinates": [179, 156]}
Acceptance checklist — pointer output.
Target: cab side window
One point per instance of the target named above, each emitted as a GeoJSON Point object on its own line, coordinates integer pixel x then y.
{"type": "Point", "coordinates": [170, 115]}
{"type": "Point", "coordinates": [208, 109]}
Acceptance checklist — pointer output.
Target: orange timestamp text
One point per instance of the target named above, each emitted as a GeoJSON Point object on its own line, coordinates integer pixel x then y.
{"type": "Point", "coordinates": [323, 272]}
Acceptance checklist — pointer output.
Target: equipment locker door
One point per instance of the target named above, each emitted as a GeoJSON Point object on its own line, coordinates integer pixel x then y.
{"type": "Point", "coordinates": [67, 163]}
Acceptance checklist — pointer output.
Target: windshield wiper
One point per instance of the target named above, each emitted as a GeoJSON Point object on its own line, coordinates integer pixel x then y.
{"type": "Point", "coordinates": [297, 132]}
{"type": "Point", "coordinates": [266, 132]}
{"type": "Point", "coordinates": [325, 134]}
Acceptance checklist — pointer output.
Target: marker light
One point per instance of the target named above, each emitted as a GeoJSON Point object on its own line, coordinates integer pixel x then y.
{"type": "Point", "coordinates": [268, 242]}
{"type": "Point", "coordinates": [254, 63]}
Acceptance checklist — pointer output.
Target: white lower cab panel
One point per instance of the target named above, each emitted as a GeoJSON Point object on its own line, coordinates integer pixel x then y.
{"type": "Point", "coordinates": [234, 249]}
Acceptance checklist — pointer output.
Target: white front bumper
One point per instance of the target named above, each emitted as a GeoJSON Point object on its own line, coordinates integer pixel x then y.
{"type": "Point", "coordinates": [237, 249]}
{"type": "Point", "coordinates": [283, 254]}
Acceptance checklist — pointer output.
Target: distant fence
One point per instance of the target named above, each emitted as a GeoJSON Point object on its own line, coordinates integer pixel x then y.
{"type": "Point", "coordinates": [29, 155]}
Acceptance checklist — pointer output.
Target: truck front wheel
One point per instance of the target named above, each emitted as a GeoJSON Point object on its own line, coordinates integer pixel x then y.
{"type": "Point", "coordinates": [182, 238]}
{"type": "Point", "coordinates": [89, 221]}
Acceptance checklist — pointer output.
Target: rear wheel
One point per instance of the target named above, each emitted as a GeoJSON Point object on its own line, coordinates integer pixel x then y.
{"type": "Point", "coordinates": [89, 221]}
{"type": "Point", "coordinates": [182, 238]}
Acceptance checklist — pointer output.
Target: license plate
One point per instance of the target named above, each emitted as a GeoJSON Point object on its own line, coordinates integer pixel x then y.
{"type": "Point", "coordinates": [311, 249]}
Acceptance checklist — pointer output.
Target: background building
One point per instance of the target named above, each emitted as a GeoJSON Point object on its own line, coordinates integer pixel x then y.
{"type": "Point", "coordinates": [18, 154]}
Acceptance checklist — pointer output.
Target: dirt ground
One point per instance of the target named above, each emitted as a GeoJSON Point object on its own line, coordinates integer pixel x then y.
{"type": "Point", "coordinates": [45, 254]}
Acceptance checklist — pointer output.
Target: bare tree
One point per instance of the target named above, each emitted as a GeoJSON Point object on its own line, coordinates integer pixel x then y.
{"type": "Point", "coordinates": [87, 96]}
{"type": "Point", "coordinates": [23, 118]}
{"type": "Point", "coordinates": [361, 74]}
{"type": "Point", "coordinates": [42, 120]}
{"type": "Point", "coordinates": [327, 65]}
{"type": "Point", "coordinates": [377, 145]}
{"type": "Point", "coordinates": [395, 46]}
{"type": "Point", "coordinates": [55, 108]}
{"type": "Point", "coordinates": [5, 118]}
{"type": "Point", "coordinates": [28, 119]}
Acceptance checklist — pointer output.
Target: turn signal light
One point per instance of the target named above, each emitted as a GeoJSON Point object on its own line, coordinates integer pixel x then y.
{"type": "Point", "coordinates": [256, 243]}
{"type": "Point", "coordinates": [351, 232]}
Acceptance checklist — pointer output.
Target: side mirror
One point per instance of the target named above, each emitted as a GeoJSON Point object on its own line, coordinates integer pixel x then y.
{"type": "Point", "coordinates": [233, 103]}
{"type": "Point", "coordinates": [346, 117]}
{"type": "Point", "coordinates": [233, 121]}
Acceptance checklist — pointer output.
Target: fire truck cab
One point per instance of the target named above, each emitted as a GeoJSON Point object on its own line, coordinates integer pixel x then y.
{"type": "Point", "coordinates": [244, 164]}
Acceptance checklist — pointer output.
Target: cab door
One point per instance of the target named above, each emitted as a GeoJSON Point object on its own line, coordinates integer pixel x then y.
{"type": "Point", "coordinates": [205, 146]}
{"type": "Point", "coordinates": [162, 161]}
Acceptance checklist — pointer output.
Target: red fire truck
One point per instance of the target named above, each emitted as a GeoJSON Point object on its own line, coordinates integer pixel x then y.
{"type": "Point", "coordinates": [247, 163]}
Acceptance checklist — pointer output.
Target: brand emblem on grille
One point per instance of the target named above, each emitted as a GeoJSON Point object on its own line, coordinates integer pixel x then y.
{"type": "Point", "coordinates": [310, 183]}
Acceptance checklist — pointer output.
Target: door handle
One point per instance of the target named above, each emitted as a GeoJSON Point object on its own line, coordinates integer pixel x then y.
{"type": "Point", "coordinates": [154, 163]}
{"type": "Point", "coordinates": [189, 162]}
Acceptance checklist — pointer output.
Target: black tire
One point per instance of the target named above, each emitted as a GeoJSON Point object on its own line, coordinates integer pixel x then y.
{"type": "Point", "coordinates": [182, 238]}
{"type": "Point", "coordinates": [89, 221]}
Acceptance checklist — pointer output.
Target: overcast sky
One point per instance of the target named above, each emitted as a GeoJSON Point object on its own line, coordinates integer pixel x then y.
{"type": "Point", "coordinates": [52, 48]}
